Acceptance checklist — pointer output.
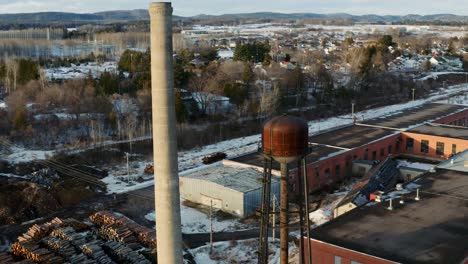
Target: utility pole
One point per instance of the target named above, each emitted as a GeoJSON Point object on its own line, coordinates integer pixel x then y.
{"type": "Point", "coordinates": [128, 167]}
{"type": "Point", "coordinates": [352, 110]}
{"type": "Point", "coordinates": [413, 93]}
{"type": "Point", "coordinates": [211, 227]}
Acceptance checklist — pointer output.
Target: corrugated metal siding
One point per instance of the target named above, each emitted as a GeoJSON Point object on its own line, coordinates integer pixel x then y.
{"type": "Point", "coordinates": [253, 199]}
{"type": "Point", "coordinates": [193, 189]}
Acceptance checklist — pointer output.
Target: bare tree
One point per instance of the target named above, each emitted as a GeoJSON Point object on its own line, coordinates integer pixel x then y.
{"type": "Point", "coordinates": [202, 88]}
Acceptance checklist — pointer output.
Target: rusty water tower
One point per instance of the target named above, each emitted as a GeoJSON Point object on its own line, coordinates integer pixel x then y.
{"type": "Point", "coordinates": [284, 140]}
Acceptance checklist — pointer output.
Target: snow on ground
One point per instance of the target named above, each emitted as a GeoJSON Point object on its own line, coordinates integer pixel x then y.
{"type": "Point", "coordinates": [435, 75]}
{"type": "Point", "coordinates": [241, 251]}
{"type": "Point", "coordinates": [19, 155]}
{"type": "Point", "coordinates": [195, 221]}
{"type": "Point", "coordinates": [415, 165]}
{"type": "Point", "coordinates": [121, 180]}
{"type": "Point", "coordinates": [80, 71]}
{"type": "Point", "coordinates": [456, 100]}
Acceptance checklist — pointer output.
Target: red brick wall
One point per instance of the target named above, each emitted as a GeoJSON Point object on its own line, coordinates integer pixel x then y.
{"type": "Point", "coordinates": [458, 119]}
{"type": "Point", "coordinates": [324, 253]}
{"type": "Point", "coordinates": [345, 163]}
{"type": "Point", "coordinates": [461, 145]}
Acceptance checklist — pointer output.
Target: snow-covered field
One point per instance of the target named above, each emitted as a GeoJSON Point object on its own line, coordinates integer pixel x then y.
{"type": "Point", "coordinates": [195, 221]}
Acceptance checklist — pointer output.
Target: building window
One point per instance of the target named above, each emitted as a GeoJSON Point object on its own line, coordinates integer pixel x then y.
{"type": "Point", "coordinates": [374, 155]}
{"type": "Point", "coordinates": [425, 146]}
{"type": "Point", "coordinates": [440, 148]}
{"type": "Point", "coordinates": [355, 262]}
{"type": "Point", "coordinates": [327, 172]}
{"type": "Point", "coordinates": [454, 149]}
{"type": "Point", "coordinates": [382, 153]}
{"type": "Point", "coordinates": [337, 171]}
{"type": "Point", "coordinates": [337, 260]}
{"type": "Point", "coordinates": [389, 149]}
{"type": "Point", "coordinates": [409, 144]}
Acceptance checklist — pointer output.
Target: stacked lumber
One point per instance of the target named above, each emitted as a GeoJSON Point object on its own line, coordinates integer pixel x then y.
{"type": "Point", "coordinates": [106, 218]}
{"type": "Point", "coordinates": [59, 246]}
{"type": "Point", "coordinates": [77, 225]}
{"type": "Point", "coordinates": [214, 157]}
{"type": "Point", "coordinates": [149, 169]}
{"type": "Point", "coordinates": [117, 233]}
{"type": "Point", "coordinates": [145, 235]}
{"type": "Point", "coordinates": [6, 258]}
{"type": "Point", "coordinates": [81, 258]}
{"type": "Point", "coordinates": [69, 234]}
{"type": "Point", "coordinates": [40, 231]}
{"type": "Point", "coordinates": [95, 251]}
{"type": "Point", "coordinates": [32, 251]}
{"type": "Point", "coordinates": [124, 254]}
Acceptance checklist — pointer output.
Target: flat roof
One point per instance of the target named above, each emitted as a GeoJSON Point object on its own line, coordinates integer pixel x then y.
{"type": "Point", "coordinates": [460, 162]}
{"type": "Point", "coordinates": [257, 159]}
{"type": "Point", "coordinates": [416, 115]}
{"type": "Point", "coordinates": [441, 130]}
{"type": "Point", "coordinates": [351, 136]}
{"type": "Point", "coordinates": [431, 230]}
{"type": "Point", "coordinates": [237, 178]}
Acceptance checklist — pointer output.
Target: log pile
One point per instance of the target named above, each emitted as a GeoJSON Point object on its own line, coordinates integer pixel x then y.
{"type": "Point", "coordinates": [37, 232]}
{"type": "Point", "coordinates": [214, 157]}
{"type": "Point", "coordinates": [6, 258]}
{"type": "Point", "coordinates": [32, 251]}
{"type": "Point", "coordinates": [95, 251]}
{"type": "Point", "coordinates": [124, 254]}
{"type": "Point", "coordinates": [145, 235]}
{"type": "Point", "coordinates": [149, 169]}
{"type": "Point", "coordinates": [117, 232]}
{"type": "Point", "coordinates": [69, 234]}
{"type": "Point", "coordinates": [81, 258]}
{"type": "Point", "coordinates": [59, 246]}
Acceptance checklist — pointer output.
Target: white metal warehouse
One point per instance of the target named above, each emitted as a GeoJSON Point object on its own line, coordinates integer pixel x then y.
{"type": "Point", "coordinates": [233, 189]}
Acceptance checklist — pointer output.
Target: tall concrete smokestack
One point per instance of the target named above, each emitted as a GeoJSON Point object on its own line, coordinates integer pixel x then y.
{"type": "Point", "coordinates": [166, 187]}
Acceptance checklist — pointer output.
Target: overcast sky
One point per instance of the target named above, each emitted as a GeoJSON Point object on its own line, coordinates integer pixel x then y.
{"type": "Point", "coordinates": [217, 7]}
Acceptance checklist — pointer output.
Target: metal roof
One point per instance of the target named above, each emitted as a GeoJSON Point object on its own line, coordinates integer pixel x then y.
{"type": "Point", "coordinates": [237, 178]}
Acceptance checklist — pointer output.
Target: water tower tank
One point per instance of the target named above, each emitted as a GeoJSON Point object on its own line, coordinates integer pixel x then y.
{"type": "Point", "coordinates": [285, 138]}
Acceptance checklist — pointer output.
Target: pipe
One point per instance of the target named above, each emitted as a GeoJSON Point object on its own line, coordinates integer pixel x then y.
{"type": "Point", "coordinates": [166, 178]}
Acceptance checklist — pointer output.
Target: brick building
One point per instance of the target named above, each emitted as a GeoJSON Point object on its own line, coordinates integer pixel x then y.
{"type": "Point", "coordinates": [431, 229]}
{"type": "Point", "coordinates": [430, 127]}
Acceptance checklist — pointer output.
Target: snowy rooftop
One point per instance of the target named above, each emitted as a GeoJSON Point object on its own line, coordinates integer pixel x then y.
{"type": "Point", "coordinates": [431, 230]}
{"type": "Point", "coordinates": [237, 178]}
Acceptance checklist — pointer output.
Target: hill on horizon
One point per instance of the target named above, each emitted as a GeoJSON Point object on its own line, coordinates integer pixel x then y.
{"type": "Point", "coordinates": [142, 14]}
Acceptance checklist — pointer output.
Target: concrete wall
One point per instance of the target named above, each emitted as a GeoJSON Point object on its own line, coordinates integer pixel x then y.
{"type": "Point", "coordinates": [461, 145]}
{"type": "Point", "coordinates": [195, 190]}
{"type": "Point", "coordinates": [325, 253]}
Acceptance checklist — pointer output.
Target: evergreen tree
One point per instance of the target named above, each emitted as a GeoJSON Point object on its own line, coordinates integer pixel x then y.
{"type": "Point", "coordinates": [181, 110]}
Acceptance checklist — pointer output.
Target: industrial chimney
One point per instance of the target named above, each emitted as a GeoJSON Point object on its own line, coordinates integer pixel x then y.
{"type": "Point", "coordinates": [166, 180]}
